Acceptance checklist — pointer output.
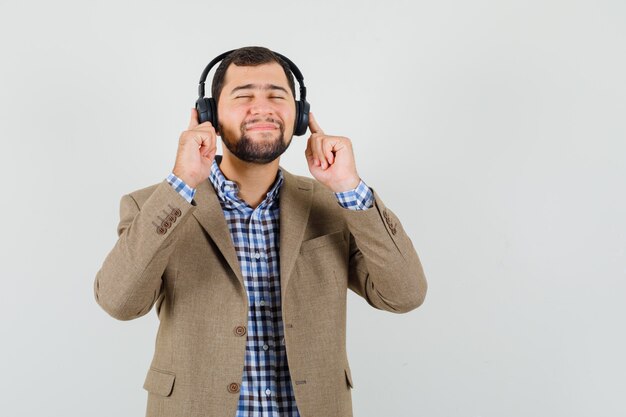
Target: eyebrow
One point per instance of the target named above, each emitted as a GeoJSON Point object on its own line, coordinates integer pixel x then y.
{"type": "Point", "coordinates": [258, 87]}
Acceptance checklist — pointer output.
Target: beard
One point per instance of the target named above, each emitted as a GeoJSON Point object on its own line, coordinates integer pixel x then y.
{"type": "Point", "coordinates": [260, 151]}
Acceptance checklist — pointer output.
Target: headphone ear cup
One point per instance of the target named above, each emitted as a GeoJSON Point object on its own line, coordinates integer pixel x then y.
{"type": "Point", "coordinates": [213, 118]}
{"type": "Point", "coordinates": [203, 106]}
{"type": "Point", "coordinates": [302, 117]}
{"type": "Point", "coordinates": [207, 111]}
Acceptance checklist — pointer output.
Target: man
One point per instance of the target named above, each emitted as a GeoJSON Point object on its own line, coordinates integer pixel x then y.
{"type": "Point", "coordinates": [249, 265]}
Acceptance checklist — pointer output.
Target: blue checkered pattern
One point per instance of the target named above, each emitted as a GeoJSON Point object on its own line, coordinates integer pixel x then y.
{"type": "Point", "coordinates": [360, 198]}
{"type": "Point", "coordinates": [266, 389]}
{"type": "Point", "coordinates": [183, 189]}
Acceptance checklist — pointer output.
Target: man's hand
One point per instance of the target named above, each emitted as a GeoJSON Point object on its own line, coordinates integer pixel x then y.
{"type": "Point", "coordinates": [330, 159]}
{"type": "Point", "coordinates": [196, 150]}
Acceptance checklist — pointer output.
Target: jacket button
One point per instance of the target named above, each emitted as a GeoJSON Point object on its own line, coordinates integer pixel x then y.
{"type": "Point", "coordinates": [240, 330]}
{"type": "Point", "coordinates": [233, 387]}
{"type": "Point", "coordinates": [166, 224]}
{"type": "Point", "coordinates": [161, 230]}
{"type": "Point", "coordinates": [171, 218]}
{"type": "Point", "coordinates": [176, 212]}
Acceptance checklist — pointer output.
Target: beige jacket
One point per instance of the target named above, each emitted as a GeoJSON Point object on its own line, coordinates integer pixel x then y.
{"type": "Point", "coordinates": [180, 257]}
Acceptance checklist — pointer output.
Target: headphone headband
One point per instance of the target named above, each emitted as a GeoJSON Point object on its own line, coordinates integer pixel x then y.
{"type": "Point", "coordinates": [294, 69]}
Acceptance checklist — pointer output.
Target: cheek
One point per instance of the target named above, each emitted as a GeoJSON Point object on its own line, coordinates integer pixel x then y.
{"type": "Point", "coordinates": [231, 116]}
{"type": "Point", "coordinates": [288, 114]}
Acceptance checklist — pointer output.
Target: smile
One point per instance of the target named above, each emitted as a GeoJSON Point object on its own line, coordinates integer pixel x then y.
{"type": "Point", "coordinates": [262, 126]}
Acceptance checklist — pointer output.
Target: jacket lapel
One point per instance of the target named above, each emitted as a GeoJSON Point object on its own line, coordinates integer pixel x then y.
{"type": "Point", "coordinates": [294, 206]}
{"type": "Point", "coordinates": [210, 215]}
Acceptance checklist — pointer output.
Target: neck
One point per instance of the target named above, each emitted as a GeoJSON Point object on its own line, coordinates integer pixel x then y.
{"type": "Point", "coordinates": [253, 180]}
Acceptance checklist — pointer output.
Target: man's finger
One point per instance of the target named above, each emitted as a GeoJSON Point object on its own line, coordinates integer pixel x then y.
{"type": "Point", "coordinates": [319, 152]}
{"type": "Point", "coordinates": [308, 152]}
{"type": "Point", "coordinates": [207, 147]}
{"type": "Point", "coordinates": [205, 127]}
{"type": "Point", "coordinates": [327, 147]}
{"type": "Point", "coordinates": [313, 126]}
{"type": "Point", "coordinates": [194, 119]}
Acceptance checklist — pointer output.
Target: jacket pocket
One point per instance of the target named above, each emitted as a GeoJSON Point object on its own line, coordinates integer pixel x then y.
{"type": "Point", "coordinates": [320, 241]}
{"type": "Point", "coordinates": [159, 382]}
{"type": "Point", "coordinates": [348, 377]}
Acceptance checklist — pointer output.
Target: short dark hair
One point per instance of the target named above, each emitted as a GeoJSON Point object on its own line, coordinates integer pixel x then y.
{"type": "Point", "coordinates": [249, 56]}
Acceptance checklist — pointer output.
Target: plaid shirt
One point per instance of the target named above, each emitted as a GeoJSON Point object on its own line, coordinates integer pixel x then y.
{"type": "Point", "coordinates": [266, 389]}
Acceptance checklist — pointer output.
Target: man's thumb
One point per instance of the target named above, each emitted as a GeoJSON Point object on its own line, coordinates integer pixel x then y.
{"type": "Point", "coordinates": [194, 119]}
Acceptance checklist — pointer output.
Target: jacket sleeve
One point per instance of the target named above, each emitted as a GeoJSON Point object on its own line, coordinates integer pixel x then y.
{"type": "Point", "coordinates": [384, 267]}
{"type": "Point", "coordinates": [129, 281]}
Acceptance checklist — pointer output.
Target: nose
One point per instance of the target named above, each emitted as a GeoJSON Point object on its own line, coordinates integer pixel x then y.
{"type": "Point", "coordinates": [261, 106]}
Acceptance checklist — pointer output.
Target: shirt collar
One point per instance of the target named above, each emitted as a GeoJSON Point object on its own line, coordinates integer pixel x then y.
{"type": "Point", "coordinates": [227, 190]}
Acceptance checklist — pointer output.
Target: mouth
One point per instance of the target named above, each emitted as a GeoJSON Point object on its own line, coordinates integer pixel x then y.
{"type": "Point", "coordinates": [262, 126]}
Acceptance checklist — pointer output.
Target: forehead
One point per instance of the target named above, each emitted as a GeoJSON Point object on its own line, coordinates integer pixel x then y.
{"type": "Point", "coordinates": [271, 73]}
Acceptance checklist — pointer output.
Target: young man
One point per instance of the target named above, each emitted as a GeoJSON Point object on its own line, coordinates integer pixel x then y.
{"type": "Point", "coordinates": [249, 265]}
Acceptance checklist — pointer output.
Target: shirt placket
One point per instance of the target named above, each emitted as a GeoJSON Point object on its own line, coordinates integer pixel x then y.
{"type": "Point", "coordinates": [260, 279]}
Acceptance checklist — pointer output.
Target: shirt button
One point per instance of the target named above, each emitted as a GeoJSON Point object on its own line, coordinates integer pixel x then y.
{"type": "Point", "coordinates": [268, 391]}
{"type": "Point", "coordinates": [257, 255]}
{"type": "Point", "coordinates": [262, 303]}
{"type": "Point", "coordinates": [227, 187]}
{"type": "Point", "coordinates": [265, 347]}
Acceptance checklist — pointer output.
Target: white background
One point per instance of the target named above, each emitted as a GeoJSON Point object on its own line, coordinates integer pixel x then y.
{"type": "Point", "coordinates": [495, 130]}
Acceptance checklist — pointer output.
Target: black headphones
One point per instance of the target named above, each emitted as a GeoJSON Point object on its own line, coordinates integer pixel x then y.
{"type": "Point", "coordinates": [207, 107]}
